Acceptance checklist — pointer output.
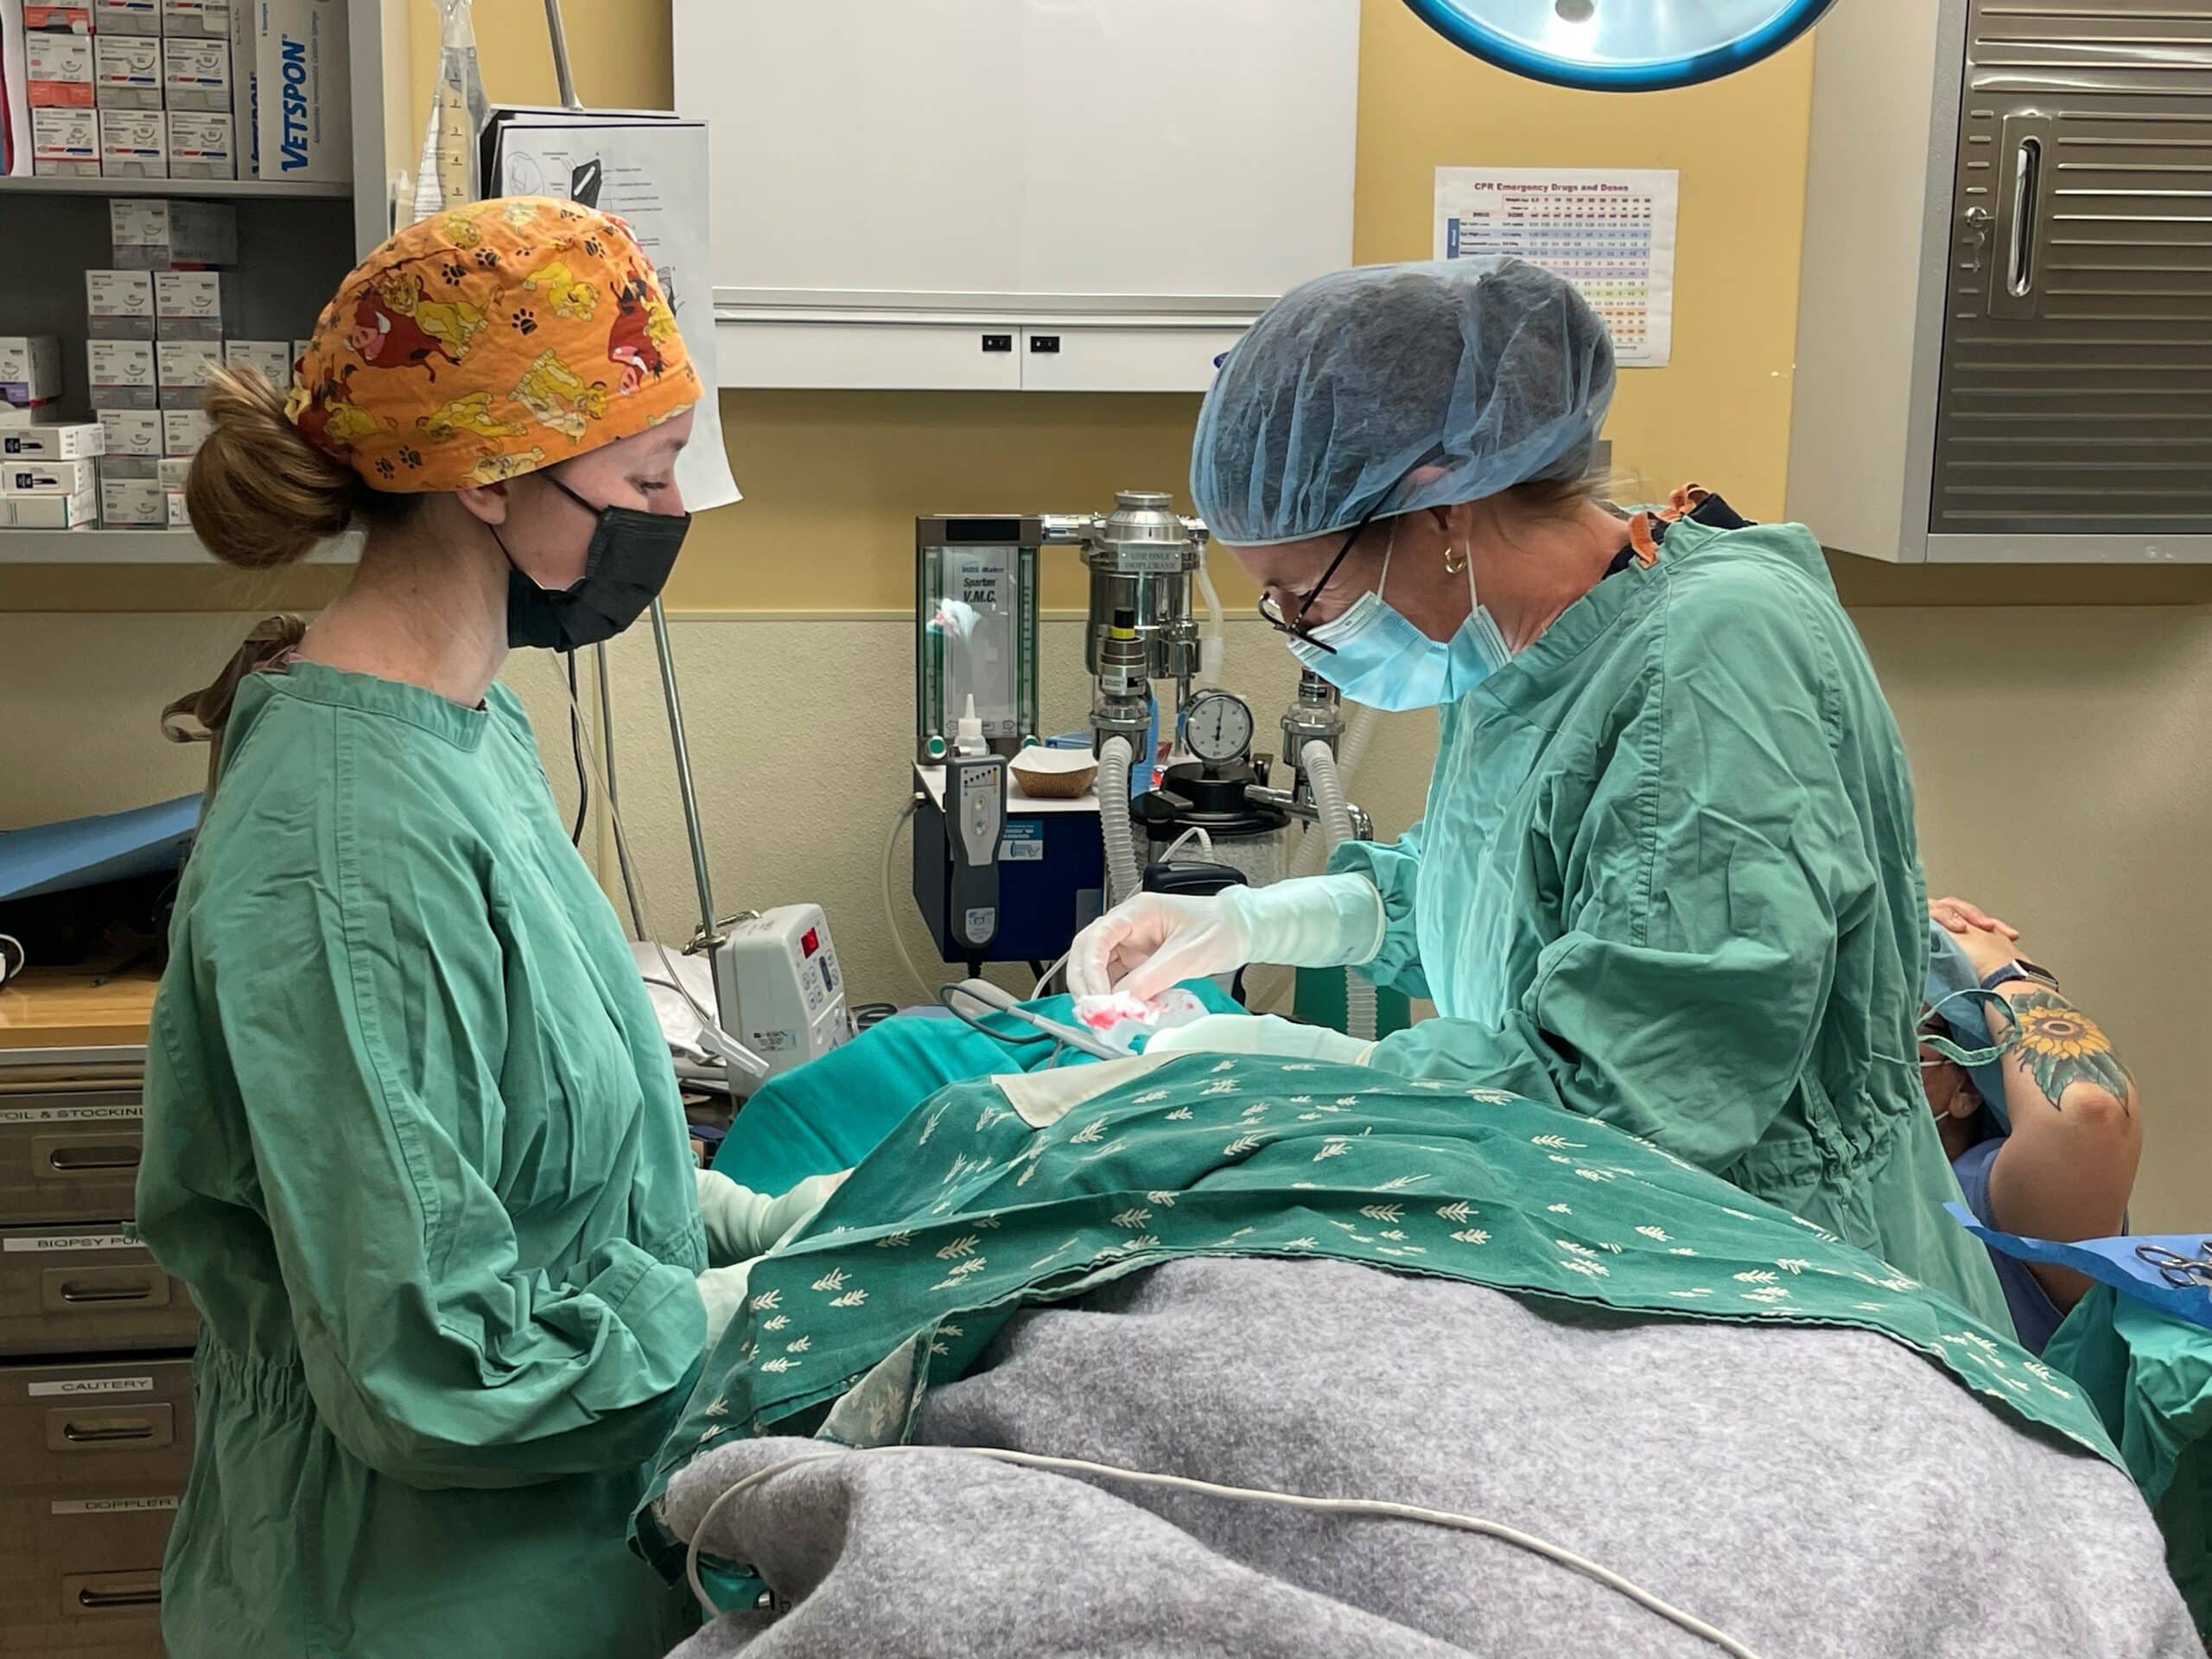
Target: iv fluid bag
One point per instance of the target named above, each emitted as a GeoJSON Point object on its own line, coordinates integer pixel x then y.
{"type": "Point", "coordinates": [449, 173]}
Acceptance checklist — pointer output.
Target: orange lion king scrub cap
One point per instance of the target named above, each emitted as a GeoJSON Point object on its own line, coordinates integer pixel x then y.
{"type": "Point", "coordinates": [490, 341]}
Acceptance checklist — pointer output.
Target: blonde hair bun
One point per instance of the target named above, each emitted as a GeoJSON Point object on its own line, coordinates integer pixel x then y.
{"type": "Point", "coordinates": [259, 493]}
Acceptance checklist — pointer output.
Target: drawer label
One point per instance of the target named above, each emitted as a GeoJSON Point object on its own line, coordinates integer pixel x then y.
{"type": "Point", "coordinates": [110, 1505]}
{"type": "Point", "coordinates": [76, 1385]}
{"type": "Point", "coordinates": [44, 1243]}
{"type": "Point", "coordinates": [128, 1112]}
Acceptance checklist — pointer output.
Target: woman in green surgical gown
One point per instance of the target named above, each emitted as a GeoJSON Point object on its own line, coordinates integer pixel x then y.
{"type": "Point", "coordinates": [1668, 874]}
{"type": "Point", "coordinates": [412, 1136]}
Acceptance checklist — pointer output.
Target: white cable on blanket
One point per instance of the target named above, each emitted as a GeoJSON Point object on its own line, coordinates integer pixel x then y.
{"type": "Point", "coordinates": [1361, 1506]}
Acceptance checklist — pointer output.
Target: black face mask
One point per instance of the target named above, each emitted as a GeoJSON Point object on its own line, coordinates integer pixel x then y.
{"type": "Point", "coordinates": [625, 569]}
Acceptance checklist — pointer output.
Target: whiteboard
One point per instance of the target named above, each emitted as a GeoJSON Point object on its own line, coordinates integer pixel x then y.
{"type": "Point", "coordinates": [1112, 148]}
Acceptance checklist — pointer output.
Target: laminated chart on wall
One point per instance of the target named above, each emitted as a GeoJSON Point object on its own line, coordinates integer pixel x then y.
{"type": "Point", "coordinates": [652, 171]}
{"type": "Point", "coordinates": [1608, 232]}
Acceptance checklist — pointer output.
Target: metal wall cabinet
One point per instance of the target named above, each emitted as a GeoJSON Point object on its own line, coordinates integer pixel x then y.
{"type": "Point", "coordinates": [1014, 195]}
{"type": "Point", "coordinates": [2004, 332]}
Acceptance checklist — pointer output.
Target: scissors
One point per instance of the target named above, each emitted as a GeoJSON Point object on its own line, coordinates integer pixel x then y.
{"type": "Point", "coordinates": [2182, 1272]}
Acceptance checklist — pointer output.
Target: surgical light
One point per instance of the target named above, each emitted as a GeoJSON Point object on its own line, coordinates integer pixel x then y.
{"type": "Point", "coordinates": [1620, 45]}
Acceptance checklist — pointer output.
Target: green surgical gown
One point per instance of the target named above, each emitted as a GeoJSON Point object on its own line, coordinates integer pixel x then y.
{"type": "Point", "coordinates": [1668, 877]}
{"type": "Point", "coordinates": [413, 1140]}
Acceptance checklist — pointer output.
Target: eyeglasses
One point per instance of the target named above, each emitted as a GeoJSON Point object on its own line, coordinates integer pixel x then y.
{"type": "Point", "coordinates": [2182, 1272]}
{"type": "Point", "coordinates": [1294, 624]}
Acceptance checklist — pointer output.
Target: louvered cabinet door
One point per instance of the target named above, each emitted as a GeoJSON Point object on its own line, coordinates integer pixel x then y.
{"type": "Point", "coordinates": [2076, 395]}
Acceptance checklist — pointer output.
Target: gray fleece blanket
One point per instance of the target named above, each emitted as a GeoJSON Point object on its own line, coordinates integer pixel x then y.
{"type": "Point", "coordinates": [1811, 1492]}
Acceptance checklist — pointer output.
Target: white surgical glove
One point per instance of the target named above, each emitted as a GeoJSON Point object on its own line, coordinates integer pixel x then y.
{"type": "Point", "coordinates": [722, 1290]}
{"type": "Point", "coordinates": [1245, 1033]}
{"type": "Point", "coordinates": [742, 1223]}
{"type": "Point", "coordinates": [1158, 939]}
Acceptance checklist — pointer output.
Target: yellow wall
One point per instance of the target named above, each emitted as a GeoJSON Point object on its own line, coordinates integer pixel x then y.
{"type": "Point", "coordinates": [833, 481]}
{"type": "Point", "coordinates": [1720, 412]}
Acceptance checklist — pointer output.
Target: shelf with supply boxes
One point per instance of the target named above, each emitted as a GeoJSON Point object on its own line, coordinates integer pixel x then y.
{"type": "Point", "coordinates": [144, 265]}
{"type": "Point", "coordinates": [169, 89]}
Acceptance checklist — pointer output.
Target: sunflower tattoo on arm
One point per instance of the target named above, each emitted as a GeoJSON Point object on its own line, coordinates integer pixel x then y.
{"type": "Point", "coordinates": [2060, 1046]}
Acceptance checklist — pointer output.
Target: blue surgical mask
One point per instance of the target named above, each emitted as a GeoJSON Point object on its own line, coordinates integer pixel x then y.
{"type": "Point", "coordinates": [1377, 656]}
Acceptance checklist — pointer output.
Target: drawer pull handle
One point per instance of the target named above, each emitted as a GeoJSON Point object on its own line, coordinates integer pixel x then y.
{"type": "Point", "coordinates": [136, 1428]}
{"type": "Point", "coordinates": [100, 1600]}
{"type": "Point", "coordinates": [80, 1295]}
{"type": "Point", "coordinates": [80, 1160]}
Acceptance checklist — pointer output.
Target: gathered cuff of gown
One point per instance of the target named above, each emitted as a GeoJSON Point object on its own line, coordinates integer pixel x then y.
{"type": "Point", "coordinates": [1394, 869]}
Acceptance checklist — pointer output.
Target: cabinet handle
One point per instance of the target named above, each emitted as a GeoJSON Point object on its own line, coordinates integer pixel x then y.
{"type": "Point", "coordinates": [72, 1160]}
{"type": "Point", "coordinates": [128, 1428]}
{"type": "Point", "coordinates": [79, 1295]}
{"type": "Point", "coordinates": [101, 1600]}
{"type": "Point", "coordinates": [2027, 173]}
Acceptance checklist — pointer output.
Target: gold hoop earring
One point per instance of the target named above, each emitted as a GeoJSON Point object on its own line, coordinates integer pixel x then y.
{"type": "Point", "coordinates": [1455, 559]}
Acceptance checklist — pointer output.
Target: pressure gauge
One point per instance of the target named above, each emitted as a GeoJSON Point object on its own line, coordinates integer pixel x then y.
{"type": "Point", "coordinates": [1217, 726]}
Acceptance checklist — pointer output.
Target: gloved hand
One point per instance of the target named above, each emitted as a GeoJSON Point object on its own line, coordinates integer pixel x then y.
{"type": "Point", "coordinates": [1244, 1033]}
{"type": "Point", "coordinates": [742, 1223]}
{"type": "Point", "coordinates": [722, 1289]}
{"type": "Point", "coordinates": [1154, 940]}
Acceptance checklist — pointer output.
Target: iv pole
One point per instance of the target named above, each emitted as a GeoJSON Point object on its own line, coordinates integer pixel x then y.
{"type": "Point", "coordinates": [709, 934]}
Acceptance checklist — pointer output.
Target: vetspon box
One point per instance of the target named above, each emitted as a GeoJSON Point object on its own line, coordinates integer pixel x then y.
{"type": "Point", "coordinates": [196, 74]}
{"type": "Point", "coordinates": [119, 304]}
{"type": "Point", "coordinates": [134, 503]}
{"type": "Point", "coordinates": [134, 144]}
{"type": "Point", "coordinates": [193, 304]}
{"type": "Point", "coordinates": [178, 517]}
{"type": "Point", "coordinates": [130, 434]}
{"type": "Point", "coordinates": [63, 441]}
{"type": "Point", "coordinates": [272, 357]}
{"type": "Point", "coordinates": [127, 71]}
{"type": "Point", "coordinates": [151, 235]}
{"type": "Point", "coordinates": [58, 70]}
{"type": "Point", "coordinates": [201, 145]}
{"type": "Point", "coordinates": [197, 17]}
{"type": "Point", "coordinates": [173, 470]}
{"type": "Point", "coordinates": [304, 104]}
{"type": "Point", "coordinates": [122, 374]}
{"type": "Point", "coordinates": [183, 431]}
{"type": "Point", "coordinates": [27, 477]}
{"type": "Point", "coordinates": [126, 16]}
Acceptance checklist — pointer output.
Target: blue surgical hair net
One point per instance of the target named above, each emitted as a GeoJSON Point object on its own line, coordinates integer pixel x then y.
{"type": "Point", "coordinates": [1493, 372]}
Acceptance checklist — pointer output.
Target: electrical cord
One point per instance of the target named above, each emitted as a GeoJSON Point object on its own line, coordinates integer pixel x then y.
{"type": "Point", "coordinates": [1371, 1508]}
{"type": "Point", "coordinates": [716, 1041]}
{"type": "Point", "coordinates": [577, 754]}
{"type": "Point", "coordinates": [890, 909]}
{"type": "Point", "coordinates": [946, 992]}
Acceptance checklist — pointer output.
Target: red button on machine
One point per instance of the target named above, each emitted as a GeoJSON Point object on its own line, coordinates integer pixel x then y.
{"type": "Point", "coordinates": [809, 942]}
